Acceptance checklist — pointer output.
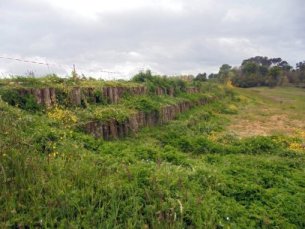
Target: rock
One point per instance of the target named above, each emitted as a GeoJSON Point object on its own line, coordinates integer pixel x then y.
{"type": "Point", "coordinates": [75, 96]}
{"type": "Point", "coordinates": [114, 130]}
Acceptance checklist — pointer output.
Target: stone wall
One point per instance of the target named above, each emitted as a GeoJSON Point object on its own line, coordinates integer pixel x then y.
{"type": "Point", "coordinates": [192, 90]}
{"type": "Point", "coordinates": [77, 95]}
{"type": "Point", "coordinates": [164, 91]}
{"type": "Point", "coordinates": [113, 129]}
{"type": "Point", "coordinates": [43, 96]}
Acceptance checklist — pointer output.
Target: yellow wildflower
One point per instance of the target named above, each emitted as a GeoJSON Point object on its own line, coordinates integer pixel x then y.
{"type": "Point", "coordinates": [65, 116]}
{"type": "Point", "coordinates": [296, 146]}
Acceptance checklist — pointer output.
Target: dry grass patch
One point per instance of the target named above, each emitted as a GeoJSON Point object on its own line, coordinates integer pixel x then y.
{"type": "Point", "coordinates": [269, 111]}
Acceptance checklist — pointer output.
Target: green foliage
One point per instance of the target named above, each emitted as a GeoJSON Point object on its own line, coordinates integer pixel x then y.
{"type": "Point", "coordinates": [99, 98]}
{"type": "Point", "coordinates": [29, 81]}
{"type": "Point", "coordinates": [264, 71]}
{"type": "Point", "coordinates": [144, 103]}
{"type": "Point", "coordinates": [154, 81]}
{"type": "Point", "coordinates": [105, 113]}
{"type": "Point", "coordinates": [274, 76]}
{"type": "Point", "coordinates": [201, 77]}
{"type": "Point", "coordinates": [27, 101]}
{"type": "Point", "coordinates": [62, 96]}
{"type": "Point", "coordinates": [256, 145]}
{"type": "Point", "coordinates": [142, 77]}
{"type": "Point", "coordinates": [185, 174]}
{"type": "Point", "coordinates": [60, 82]}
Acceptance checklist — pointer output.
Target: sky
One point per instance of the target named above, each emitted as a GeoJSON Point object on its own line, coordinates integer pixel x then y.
{"type": "Point", "coordinates": [118, 38]}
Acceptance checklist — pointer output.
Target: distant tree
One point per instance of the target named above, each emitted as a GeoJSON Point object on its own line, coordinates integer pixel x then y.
{"type": "Point", "coordinates": [201, 77]}
{"type": "Point", "coordinates": [225, 68]}
{"type": "Point", "coordinates": [276, 61]}
{"type": "Point", "coordinates": [293, 77]}
{"type": "Point", "coordinates": [300, 66]}
{"type": "Point", "coordinates": [142, 76]}
{"type": "Point", "coordinates": [268, 63]}
{"type": "Point", "coordinates": [300, 72]}
{"type": "Point", "coordinates": [263, 71]}
{"type": "Point", "coordinates": [284, 81]}
{"type": "Point", "coordinates": [249, 68]}
{"type": "Point", "coordinates": [212, 76]}
{"type": "Point", "coordinates": [223, 74]}
{"type": "Point", "coordinates": [258, 60]}
{"type": "Point", "coordinates": [274, 76]}
{"type": "Point", "coordinates": [284, 66]}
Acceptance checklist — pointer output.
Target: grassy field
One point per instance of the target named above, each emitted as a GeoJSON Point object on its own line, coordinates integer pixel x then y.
{"type": "Point", "coordinates": [270, 111]}
{"type": "Point", "coordinates": [202, 170]}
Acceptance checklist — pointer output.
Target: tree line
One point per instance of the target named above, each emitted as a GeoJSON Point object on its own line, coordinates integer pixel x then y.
{"type": "Point", "coordinates": [259, 71]}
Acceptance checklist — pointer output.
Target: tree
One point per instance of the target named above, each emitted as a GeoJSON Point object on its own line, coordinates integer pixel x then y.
{"type": "Point", "coordinates": [213, 76]}
{"type": "Point", "coordinates": [249, 68]}
{"type": "Point", "coordinates": [225, 68]}
{"type": "Point", "coordinates": [274, 76]}
{"type": "Point", "coordinates": [285, 66]}
{"type": "Point", "coordinates": [223, 74]}
{"type": "Point", "coordinates": [258, 60]}
{"type": "Point", "coordinates": [260, 71]}
{"type": "Point", "coordinates": [300, 66]}
{"type": "Point", "coordinates": [142, 76]}
{"type": "Point", "coordinates": [201, 77]}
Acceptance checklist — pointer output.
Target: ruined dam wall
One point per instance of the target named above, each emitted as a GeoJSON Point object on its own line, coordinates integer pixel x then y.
{"type": "Point", "coordinates": [113, 129]}
{"type": "Point", "coordinates": [75, 96]}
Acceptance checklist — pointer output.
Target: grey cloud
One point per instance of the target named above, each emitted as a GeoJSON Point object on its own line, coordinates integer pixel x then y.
{"type": "Point", "coordinates": [201, 37]}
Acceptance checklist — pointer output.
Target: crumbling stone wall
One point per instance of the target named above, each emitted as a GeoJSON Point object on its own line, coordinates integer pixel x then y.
{"type": "Point", "coordinates": [192, 90]}
{"type": "Point", "coordinates": [113, 129]}
{"type": "Point", "coordinates": [164, 91]}
{"type": "Point", "coordinates": [76, 95]}
{"type": "Point", "coordinates": [43, 96]}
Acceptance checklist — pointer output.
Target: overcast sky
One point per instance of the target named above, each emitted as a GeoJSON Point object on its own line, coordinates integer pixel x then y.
{"type": "Point", "coordinates": [166, 36]}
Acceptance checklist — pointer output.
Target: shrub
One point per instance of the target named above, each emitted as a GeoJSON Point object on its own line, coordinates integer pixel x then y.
{"type": "Point", "coordinates": [144, 104]}
{"type": "Point", "coordinates": [259, 144]}
{"type": "Point", "coordinates": [99, 98]}
{"type": "Point", "coordinates": [146, 153]}
{"type": "Point", "coordinates": [203, 145]}
{"type": "Point", "coordinates": [172, 155]}
{"type": "Point", "coordinates": [110, 112]}
{"type": "Point", "coordinates": [26, 102]}
{"type": "Point", "coordinates": [62, 96]}
{"type": "Point", "coordinates": [62, 115]}
{"type": "Point", "coordinates": [142, 76]}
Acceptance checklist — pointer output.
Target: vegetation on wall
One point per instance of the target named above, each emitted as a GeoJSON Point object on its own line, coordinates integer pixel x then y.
{"type": "Point", "coordinates": [27, 101]}
{"type": "Point", "coordinates": [154, 81]}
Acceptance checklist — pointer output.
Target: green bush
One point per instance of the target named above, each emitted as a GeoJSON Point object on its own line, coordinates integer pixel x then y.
{"type": "Point", "coordinates": [203, 145]}
{"type": "Point", "coordinates": [144, 104]}
{"type": "Point", "coordinates": [142, 77]}
{"type": "Point", "coordinates": [259, 144]}
{"type": "Point", "coordinates": [154, 81]}
{"type": "Point", "coordinates": [26, 102]}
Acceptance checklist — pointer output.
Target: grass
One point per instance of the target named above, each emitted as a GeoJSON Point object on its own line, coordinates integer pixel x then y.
{"type": "Point", "coordinates": [57, 82]}
{"type": "Point", "coordinates": [190, 173]}
{"type": "Point", "coordinates": [266, 111]}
